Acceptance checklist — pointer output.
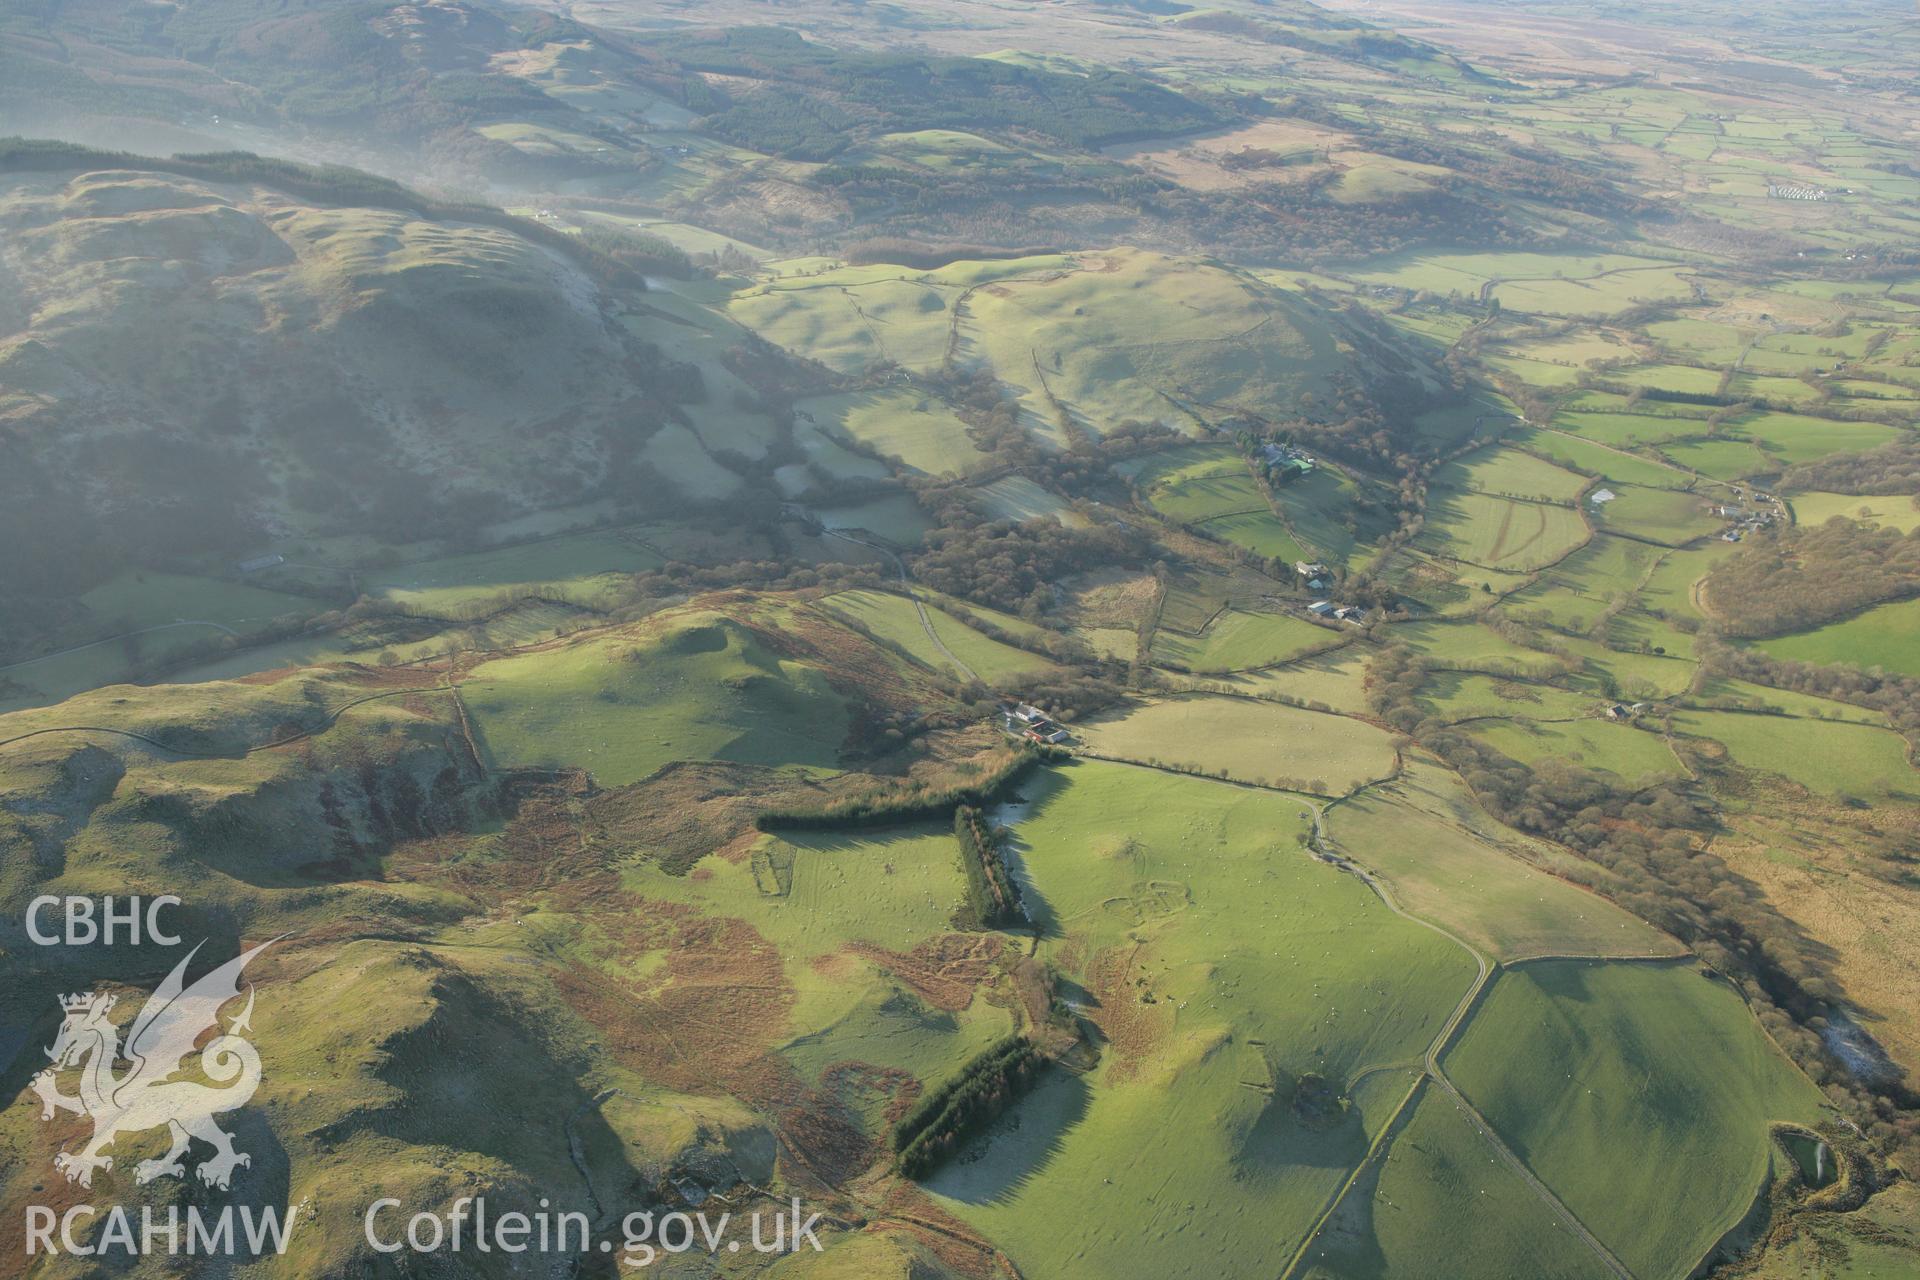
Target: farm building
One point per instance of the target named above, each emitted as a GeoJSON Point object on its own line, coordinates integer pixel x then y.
{"type": "Point", "coordinates": [1321, 607]}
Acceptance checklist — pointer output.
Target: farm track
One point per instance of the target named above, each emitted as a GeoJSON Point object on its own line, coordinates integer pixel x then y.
{"type": "Point", "coordinates": [1431, 1070]}
{"type": "Point", "coordinates": [919, 607]}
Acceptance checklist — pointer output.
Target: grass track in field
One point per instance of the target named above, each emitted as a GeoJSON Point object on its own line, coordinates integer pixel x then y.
{"type": "Point", "coordinates": [895, 620]}
{"type": "Point", "coordinates": [1441, 1206]}
{"type": "Point", "coordinates": [1500, 533]}
{"type": "Point", "coordinates": [1424, 834]}
{"type": "Point", "coordinates": [1237, 641]}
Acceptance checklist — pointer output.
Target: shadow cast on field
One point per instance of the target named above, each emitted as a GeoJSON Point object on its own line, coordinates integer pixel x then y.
{"type": "Point", "coordinates": [1279, 1141]}
{"type": "Point", "coordinates": [998, 1164]}
{"type": "Point", "coordinates": [1030, 800]}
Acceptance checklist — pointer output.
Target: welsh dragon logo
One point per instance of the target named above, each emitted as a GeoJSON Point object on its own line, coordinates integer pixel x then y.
{"type": "Point", "coordinates": [144, 1095]}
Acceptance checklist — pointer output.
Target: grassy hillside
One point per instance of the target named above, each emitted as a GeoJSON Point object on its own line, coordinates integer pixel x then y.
{"type": "Point", "coordinates": [1570, 1059]}
{"type": "Point", "coordinates": [1225, 967]}
{"type": "Point", "coordinates": [207, 371]}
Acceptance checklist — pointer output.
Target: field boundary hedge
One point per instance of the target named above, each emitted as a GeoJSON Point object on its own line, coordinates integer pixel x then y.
{"type": "Point", "coordinates": [911, 806]}
{"type": "Point", "coordinates": [992, 895]}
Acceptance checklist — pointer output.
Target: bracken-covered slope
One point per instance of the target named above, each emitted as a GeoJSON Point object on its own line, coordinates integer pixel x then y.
{"type": "Point", "coordinates": [463, 998]}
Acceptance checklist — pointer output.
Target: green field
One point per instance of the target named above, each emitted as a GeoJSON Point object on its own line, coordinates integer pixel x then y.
{"type": "Point", "coordinates": [1641, 1094]}
{"type": "Point", "coordinates": [1193, 498]}
{"type": "Point", "coordinates": [1468, 646]}
{"type": "Point", "coordinates": [851, 316]}
{"type": "Point", "coordinates": [1111, 337]}
{"type": "Point", "coordinates": [1796, 438]}
{"type": "Point", "coordinates": [1018, 498]}
{"type": "Point", "coordinates": [1424, 835]}
{"type": "Point", "coordinates": [895, 518]}
{"type": "Point", "coordinates": [1441, 1206]}
{"type": "Point", "coordinates": [1175, 466]}
{"type": "Point", "coordinates": [564, 568]}
{"type": "Point", "coordinates": [1882, 636]}
{"type": "Point", "coordinates": [1247, 740]}
{"type": "Point", "coordinates": [1326, 513]}
{"type": "Point", "coordinates": [1236, 641]}
{"type": "Point", "coordinates": [920, 431]}
{"type": "Point", "coordinates": [682, 458]}
{"type": "Point", "coordinates": [150, 620]}
{"type": "Point", "coordinates": [1257, 531]}
{"type": "Point", "coordinates": [1624, 430]}
{"type": "Point", "coordinates": [1722, 459]}
{"type": "Point", "coordinates": [1892, 512]}
{"type": "Point", "coordinates": [1636, 675]}
{"type": "Point", "coordinates": [1621, 749]}
{"type": "Point", "coordinates": [1335, 680]}
{"type": "Point", "coordinates": [1219, 953]}
{"type": "Point", "coordinates": [693, 686]}
{"type": "Point", "coordinates": [1612, 464]}
{"type": "Point", "coordinates": [1573, 594]}
{"type": "Point", "coordinates": [1670, 588]}
{"type": "Point", "coordinates": [1659, 515]}
{"type": "Point", "coordinates": [1830, 757]}
{"type": "Point", "coordinates": [1458, 695]}
{"type": "Point", "coordinates": [1500, 533]}
{"type": "Point", "coordinates": [896, 622]}
{"type": "Point", "coordinates": [1720, 691]}
{"type": "Point", "coordinates": [1510, 473]}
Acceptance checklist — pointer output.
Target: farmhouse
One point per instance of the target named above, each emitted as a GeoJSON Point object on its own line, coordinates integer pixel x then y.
{"type": "Point", "coordinates": [1285, 463]}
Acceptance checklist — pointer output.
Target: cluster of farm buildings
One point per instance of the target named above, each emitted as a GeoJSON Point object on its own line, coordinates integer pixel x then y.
{"type": "Point", "coordinates": [1764, 511]}
{"type": "Point", "coordinates": [1030, 722]}
{"type": "Point", "coordinates": [1284, 462]}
